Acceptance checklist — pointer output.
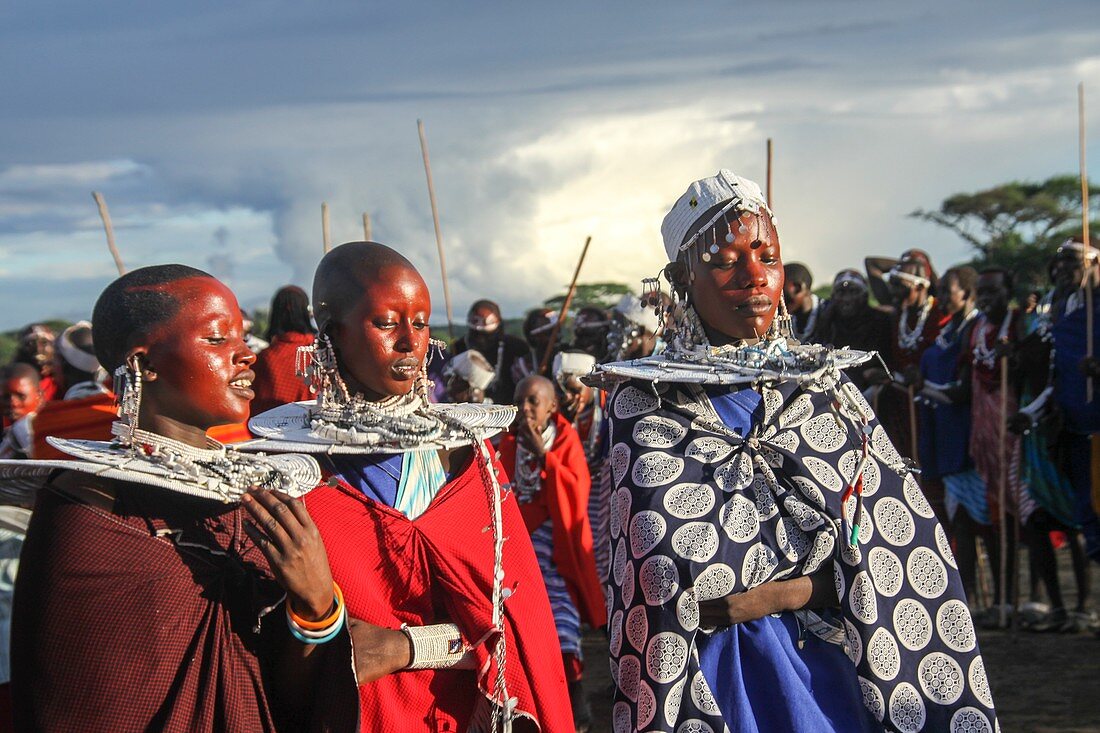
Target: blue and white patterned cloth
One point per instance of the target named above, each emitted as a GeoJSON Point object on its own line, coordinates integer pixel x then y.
{"type": "Point", "coordinates": [700, 511]}
{"type": "Point", "coordinates": [567, 619]}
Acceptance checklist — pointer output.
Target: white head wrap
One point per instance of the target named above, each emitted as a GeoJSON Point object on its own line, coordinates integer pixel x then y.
{"type": "Point", "coordinates": [570, 363]}
{"type": "Point", "coordinates": [631, 308]}
{"type": "Point", "coordinates": [473, 367]}
{"type": "Point", "coordinates": [737, 193]}
{"type": "Point", "coordinates": [74, 355]}
{"type": "Point", "coordinates": [1078, 249]}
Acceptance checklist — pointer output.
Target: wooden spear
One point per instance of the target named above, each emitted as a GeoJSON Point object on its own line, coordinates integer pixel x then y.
{"type": "Point", "coordinates": [564, 309]}
{"type": "Point", "coordinates": [366, 227]}
{"type": "Point", "coordinates": [1086, 250]}
{"type": "Point", "coordinates": [913, 450]}
{"type": "Point", "coordinates": [326, 239]}
{"type": "Point", "coordinates": [438, 231]}
{"type": "Point", "coordinates": [768, 192]}
{"type": "Point", "coordinates": [1002, 496]}
{"type": "Point", "coordinates": [110, 229]}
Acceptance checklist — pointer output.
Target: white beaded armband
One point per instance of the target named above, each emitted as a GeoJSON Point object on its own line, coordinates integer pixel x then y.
{"type": "Point", "coordinates": [435, 647]}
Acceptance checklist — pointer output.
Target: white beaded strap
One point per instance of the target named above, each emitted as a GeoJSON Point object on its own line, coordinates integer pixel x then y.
{"type": "Point", "coordinates": [435, 647]}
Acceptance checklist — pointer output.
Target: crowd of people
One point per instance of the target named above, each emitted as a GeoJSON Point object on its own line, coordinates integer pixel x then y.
{"type": "Point", "coordinates": [747, 486]}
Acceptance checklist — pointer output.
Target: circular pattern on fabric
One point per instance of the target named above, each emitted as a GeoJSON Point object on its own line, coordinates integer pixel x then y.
{"type": "Point", "coordinates": [665, 657]}
{"type": "Point", "coordinates": [785, 441]}
{"type": "Point", "coordinates": [853, 643]}
{"type": "Point", "coordinates": [872, 698]}
{"type": "Point", "coordinates": [739, 519]}
{"type": "Point", "coordinates": [620, 718]}
{"type": "Point", "coordinates": [630, 674]}
{"type": "Point", "coordinates": [702, 696]}
{"type": "Point", "coordinates": [862, 598]}
{"type": "Point", "coordinates": [886, 571]}
{"type": "Point", "coordinates": [636, 627]}
{"type": "Point", "coordinates": [773, 401]}
{"type": "Point", "coordinates": [659, 579]}
{"type": "Point", "coordinates": [687, 610]}
{"type": "Point", "coordinates": [694, 726]}
{"type": "Point", "coordinates": [791, 540]}
{"type": "Point", "coordinates": [821, 551]}
{"type": "Point", "coordinates": [647, 704]}
{"type": "Point", "coordinates": [765, 502]}
{"type": "Point", "coordinates": [823, 473]}
{"type": "Point", "coordinates": [715, 581]}
{"type": "Point", "coordinates": [944, 546]}
{"type": "Point", "coordinates": [618, 563]}
{"type": "Point", "coordinates": [696, 541]}
{"type": "Point", "coordinates": [941, 678]}
{"type": "Point", "coordinates": [708, 449]}
{"type": "Point", "coordinates": [956, 627]}
{"type": "Point", "coordinates": [907, 709]}
{"type": "Point", "coordinates": [809, 491]}
{"type": "Point", "coordinates": [856, 405]}
{"type": "Point", "coordinates": [620, 461]}
{"type": "Point", "coordinates": [672, 702]}
{"type": "Point", "coordinates": [656, 469]}
{"type": "Point", "coordinates": [970, 720]}
{"type": "Point", "coordinates": [979, 683]}
{"type": "Point", "coordinates": [915, 497]}
{"type": "Point", "coordinates": [615, 633]}
{"type": "Point", "coordinates": [838, 581]}
{"type": "Point", "coordinates": [894, 521]}
{"type": "Point", "coordinates": [823, 434]}
{"type": "Point", "coordinates": [797, 412]}
{"type": "Point", "coordinates": [926, 572]}
{"type": "Point", "coordinates": [912, 624]}
{"type": "Point", "coordinates": [883, 654]}
{"type": "Point", "coordinates": [647, 529]}
{"type": "Point", "coordinates": [687, 501]}
{"type": "Point", "coordinates": [759, 564]}
{"type": "Point", "coordinates": [631, 402]}
{"type": "Point", "coordinates": [620, 510]}
{"type": "Point", "coordinates": [735, 474]}
{"type": "Point", "coordinates": [655, 431]}
{"type": "Point", "coordinates": [807, 517]}
{"type": "Point", "coordinates": [882, 445]}
{"type": "Point", "coordinates": [628, 585]}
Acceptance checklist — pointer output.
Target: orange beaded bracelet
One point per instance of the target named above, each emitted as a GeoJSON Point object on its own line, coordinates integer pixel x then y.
{"type": "Point", "coordinates": [325, 622]}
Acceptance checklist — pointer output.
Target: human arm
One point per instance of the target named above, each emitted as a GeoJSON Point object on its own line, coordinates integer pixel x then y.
{"type": "Point", "coordinates": [807, 591]}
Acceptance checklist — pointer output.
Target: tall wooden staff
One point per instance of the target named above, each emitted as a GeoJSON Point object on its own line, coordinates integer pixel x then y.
{"type": "Point", "coordinates": [366, 227]}
{"type": "Point", "coordinates": [1002, 494]}
{"type": "Point", "coordinates": [1086, 250]}
{"type": "Point", "coordinates": [438, 231]}
{"type": "Point", "coordinates": [913, 424]}
{"type": "Point", "coordinates": [768, 193]}
{"type": "Point", "coordinates": [110, 229]}
{"type": "Point", "coordinates": [564, 309]}
{"type": "Point", "coordinates": [326, 239]}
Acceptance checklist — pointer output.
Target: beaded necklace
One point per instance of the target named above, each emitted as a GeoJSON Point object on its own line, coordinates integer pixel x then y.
{"type": "Point", "coordinates": [985, 355]}
{"type": "Point", "coordinates": [908, 339]}
{"type": "Point", "coordinates": [811, 320]}
{"type": "Point", "coordinates": [944, 338]}
{"type": "Point", "coordinates": [528, 479]}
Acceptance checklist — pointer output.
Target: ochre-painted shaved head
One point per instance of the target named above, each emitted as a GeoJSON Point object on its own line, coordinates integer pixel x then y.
{"type": "Point", "coordinates": [344, 274]}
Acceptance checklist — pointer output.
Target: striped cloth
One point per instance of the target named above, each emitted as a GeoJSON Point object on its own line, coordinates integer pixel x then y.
{"type": "Point", "coordinates": [566, 617]}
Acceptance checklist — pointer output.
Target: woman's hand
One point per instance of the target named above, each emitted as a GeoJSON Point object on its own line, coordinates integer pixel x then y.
{"type": "Point", "coordinates": [378, 651]}
{"type": "Point", "coordinates": [738, 608]}
{"type": "Point", "coordinates": [286, 535]}
{"type": "Point", "coordinates": [529, 434]}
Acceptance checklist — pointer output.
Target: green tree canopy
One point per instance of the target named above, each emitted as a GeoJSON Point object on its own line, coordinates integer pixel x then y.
{"type": "Point", "coordinates": [601, 295]}
{"type": "Point", "coordinates": [1017, 225]}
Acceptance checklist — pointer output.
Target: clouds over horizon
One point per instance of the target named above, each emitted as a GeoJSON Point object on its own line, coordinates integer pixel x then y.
{"type": "Point", "coordinates": [216, 131]}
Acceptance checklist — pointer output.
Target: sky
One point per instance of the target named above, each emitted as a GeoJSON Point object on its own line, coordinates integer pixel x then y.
{"type": "Point", "coordinates": [216, 129]}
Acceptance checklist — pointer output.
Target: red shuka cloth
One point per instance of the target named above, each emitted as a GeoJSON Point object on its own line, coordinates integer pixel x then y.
{"type": "Point", "coordinates": [438, 568]}
{"type": "Point", "coordinates": [276, 383]}
{"type": "Point", "coordinates": [148, 617]}
{"type": "Point", "coordinates": [566, 485]}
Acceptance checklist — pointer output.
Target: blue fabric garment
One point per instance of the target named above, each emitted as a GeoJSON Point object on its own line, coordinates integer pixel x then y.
{"type": "Point", "coordinates": [1070, 342]}
{"type": "Point", "coordinates": [968, 490]}
{"type": "Point", "coordinates": [746, 664]}
{"type": "Point", "coordinates": [403, 481]}
{"type": "Point", "coordinates": [944, 437]}
{"type": "Point", "coordinates": [567, 620]}
{"type": "Point", "coordinates": [1079, 471]}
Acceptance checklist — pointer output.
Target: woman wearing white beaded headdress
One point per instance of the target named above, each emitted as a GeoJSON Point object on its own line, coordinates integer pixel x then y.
{"type": "Point", "coordinates": [774, 566]}
{"type": "Point", "coordinates": [419, 533]}
{"type": "Point", "coordinates": [158, 556]}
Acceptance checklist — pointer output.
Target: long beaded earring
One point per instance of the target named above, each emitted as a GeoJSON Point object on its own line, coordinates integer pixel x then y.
{"type": "Point", "coordinates": [424, 385]}
{"type": "Point", "coordinates": [127, 384]}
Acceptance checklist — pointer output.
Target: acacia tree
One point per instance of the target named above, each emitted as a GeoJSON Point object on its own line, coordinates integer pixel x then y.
{"type": "Point", "coordinates": [1017, 225]}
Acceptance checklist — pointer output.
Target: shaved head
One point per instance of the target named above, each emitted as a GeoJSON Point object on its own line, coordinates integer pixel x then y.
{"type": "Point", "coordinates": [344, 274]}
{"type": "Point", "coordinates": [535, 384]}
{"type": "Point", "coordinates": [19, 370]}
